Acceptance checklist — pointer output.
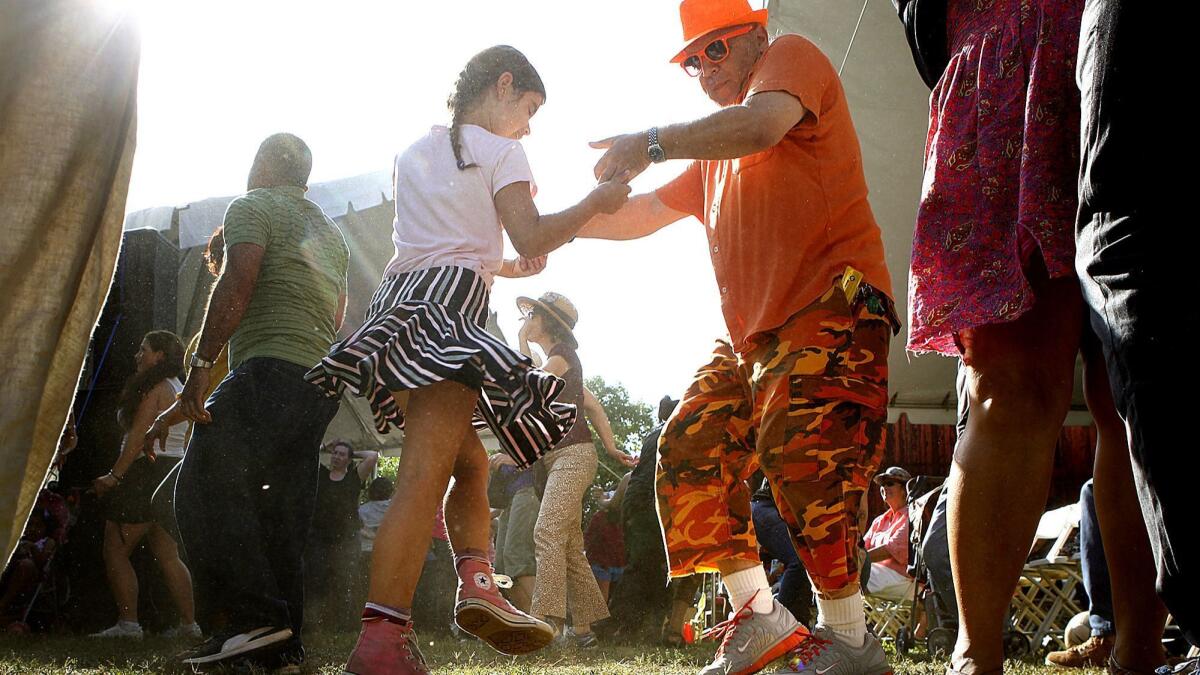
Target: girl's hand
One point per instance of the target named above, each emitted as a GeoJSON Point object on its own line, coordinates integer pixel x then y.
{"type": "Point", "coordinates": [525, 267]}
{"type": "Point", "coordinates": [609, 196]}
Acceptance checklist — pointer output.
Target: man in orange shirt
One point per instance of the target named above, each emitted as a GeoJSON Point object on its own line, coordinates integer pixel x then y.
{"type": "Point", "coordinates": [800, 388]}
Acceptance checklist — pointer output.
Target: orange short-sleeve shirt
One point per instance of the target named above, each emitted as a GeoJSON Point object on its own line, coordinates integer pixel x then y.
{"type": "Point", "coordinates": [783, 223]}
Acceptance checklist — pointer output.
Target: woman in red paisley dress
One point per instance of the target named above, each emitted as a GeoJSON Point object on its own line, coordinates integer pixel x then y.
{"type": "Point", "coordinates": [992, 281]}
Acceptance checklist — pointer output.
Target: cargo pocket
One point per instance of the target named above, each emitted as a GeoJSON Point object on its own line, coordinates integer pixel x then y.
{"type": "Point", "coordinates": [828, 422]}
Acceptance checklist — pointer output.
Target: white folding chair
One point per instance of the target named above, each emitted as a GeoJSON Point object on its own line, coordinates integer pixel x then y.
{"type": "Point", "coordinates": [1044, 600]}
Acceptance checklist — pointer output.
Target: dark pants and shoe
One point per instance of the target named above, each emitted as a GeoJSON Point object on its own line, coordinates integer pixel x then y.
{"type": "Point", "coordinates": [245, 498]}
{"type": "Point", "coordinates": [795, 590]}
{"type": "Point", "coordinates": [1094, 652]}
{"type": "Point", "coordinates": [1135, 275]}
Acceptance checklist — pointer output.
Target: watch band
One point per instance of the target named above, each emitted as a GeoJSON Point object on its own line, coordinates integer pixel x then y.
{"type": "Point", "coordinates": [199, 362]}
{"type": "Point", "coordinates": [653, 150]}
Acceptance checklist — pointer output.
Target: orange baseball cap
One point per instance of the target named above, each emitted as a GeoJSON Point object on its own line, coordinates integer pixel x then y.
{"type": "Point", "coordinates": [700, 17]}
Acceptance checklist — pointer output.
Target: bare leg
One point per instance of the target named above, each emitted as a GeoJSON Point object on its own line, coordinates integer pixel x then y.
{"type": "Point", "coordinates": [175, 573]}
{"type": "Point", "coordinates": [468, 518]}
{"type": "Point", "coordinates": [1019, 382]}
{"type": "Point", "coordinates": [1138, 613]}
{"type": "Point", "coordinates": [437, 419]}
{"type": "Point", "coordinates": [122, 580]}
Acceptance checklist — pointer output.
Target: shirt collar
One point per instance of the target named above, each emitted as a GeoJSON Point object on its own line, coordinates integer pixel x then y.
{"type": "Point", "coordinates": [293, 191]}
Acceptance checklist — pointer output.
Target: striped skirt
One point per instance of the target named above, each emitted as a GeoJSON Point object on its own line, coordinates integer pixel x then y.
{"type": "Point", "coordinates": [427, 326]}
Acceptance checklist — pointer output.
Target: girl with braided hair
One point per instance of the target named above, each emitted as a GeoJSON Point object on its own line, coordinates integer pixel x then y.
{"type": "Point", "coordinates": [426, 364]}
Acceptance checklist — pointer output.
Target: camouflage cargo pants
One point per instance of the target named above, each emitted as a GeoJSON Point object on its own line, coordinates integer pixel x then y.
{"type": "Point", "coordinates": [806, 403]}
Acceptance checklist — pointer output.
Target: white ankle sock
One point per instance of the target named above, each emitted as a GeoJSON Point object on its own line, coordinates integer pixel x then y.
{"type": "Point", "coordinates": [845, 617]}
{"type": "Point", "coordinates": [750, 586]}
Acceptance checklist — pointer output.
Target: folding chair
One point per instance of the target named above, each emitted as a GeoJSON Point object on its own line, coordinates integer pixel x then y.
{"type": "Point", "coordinates": [1044, 600]}
{"type": "Point", "coordinates": [887, 617]}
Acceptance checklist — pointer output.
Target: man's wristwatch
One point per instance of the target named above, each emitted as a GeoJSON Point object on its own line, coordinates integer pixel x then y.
{"type": "Point", "coordinates": [198, 362]}
{"type": "Point", "coordinates": [653, 149]}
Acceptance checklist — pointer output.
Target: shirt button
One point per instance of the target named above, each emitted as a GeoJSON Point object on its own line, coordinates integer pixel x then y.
{"type": "Point", "coordinates": [724, 290]}
{"type": "Point", "coordinates": [716, 249]}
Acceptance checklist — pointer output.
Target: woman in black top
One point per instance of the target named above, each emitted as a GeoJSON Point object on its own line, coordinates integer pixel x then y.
{"type": "Point", "coordinates": [333, 542]}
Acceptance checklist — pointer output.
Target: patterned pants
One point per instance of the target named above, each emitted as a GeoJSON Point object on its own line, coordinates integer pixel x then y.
{"type": "Point", "coordinates": [563, 572]}
{"type": "Point", "coordinates": [806, 403]}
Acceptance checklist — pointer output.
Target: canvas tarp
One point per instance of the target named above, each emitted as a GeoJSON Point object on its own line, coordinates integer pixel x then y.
{"type": "Point", "coordinates": [68, 92]}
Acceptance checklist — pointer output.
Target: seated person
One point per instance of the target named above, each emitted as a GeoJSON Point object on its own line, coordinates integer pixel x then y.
{"type": "Point", "coordinates": [887, 539]}
{"type": "Point", "coordinates": [30, 560]}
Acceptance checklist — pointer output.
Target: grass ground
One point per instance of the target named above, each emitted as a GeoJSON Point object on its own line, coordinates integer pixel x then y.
{"type": "Point", "coordinates": [74, 655]}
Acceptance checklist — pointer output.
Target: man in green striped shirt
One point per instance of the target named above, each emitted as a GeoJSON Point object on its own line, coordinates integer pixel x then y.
{"type": "Point", "coordinates": [248, 482]}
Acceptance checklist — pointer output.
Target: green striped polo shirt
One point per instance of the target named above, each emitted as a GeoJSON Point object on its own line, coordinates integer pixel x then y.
{"type": "Point", "coordinates": [293, 313]}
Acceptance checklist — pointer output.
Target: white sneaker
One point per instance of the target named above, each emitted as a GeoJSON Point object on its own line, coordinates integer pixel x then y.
{"type": "Point", "coordinates": [121, 629]}
{"type": "Point", "coordinates": [190, 631]}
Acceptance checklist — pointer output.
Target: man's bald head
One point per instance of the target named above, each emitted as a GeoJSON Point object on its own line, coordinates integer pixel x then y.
{"type": "Point", "coordinates": [282, 159]}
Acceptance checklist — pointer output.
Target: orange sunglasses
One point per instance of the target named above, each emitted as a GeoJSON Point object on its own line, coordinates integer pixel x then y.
{"type": "Point", "coordinates": [716, 51]}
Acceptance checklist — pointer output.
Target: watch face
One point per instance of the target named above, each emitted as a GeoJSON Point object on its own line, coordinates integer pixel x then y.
{"type": "Point", "coordinates": [656, 153]}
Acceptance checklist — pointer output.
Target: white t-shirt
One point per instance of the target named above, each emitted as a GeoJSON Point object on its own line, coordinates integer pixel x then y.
{"type": "Point", "coordinates": [176, 435]}
{"type": "Point", "coordinates": [445, 216]}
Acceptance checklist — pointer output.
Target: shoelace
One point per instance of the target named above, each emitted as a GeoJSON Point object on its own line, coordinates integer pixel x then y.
{"type": "Point", "coordinates": [414, 654]}
{"type": "Point", "coordinates": [725, 630]}
{"type": "Point", "coordinates": [809, 649]}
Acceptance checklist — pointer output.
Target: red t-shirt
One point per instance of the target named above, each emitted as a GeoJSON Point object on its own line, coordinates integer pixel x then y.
{"type": "Point", "coordinates": [604, 541]}
{"type": "Point", "coordinates": [785, 222]}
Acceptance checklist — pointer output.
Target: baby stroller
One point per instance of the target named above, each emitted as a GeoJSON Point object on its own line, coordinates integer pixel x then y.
{"type": "Point", "coordinates": [941, 632]}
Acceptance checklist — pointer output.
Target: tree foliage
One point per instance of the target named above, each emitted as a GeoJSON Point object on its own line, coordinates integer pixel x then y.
{"type": "Point", "coordinates": [631, 420]}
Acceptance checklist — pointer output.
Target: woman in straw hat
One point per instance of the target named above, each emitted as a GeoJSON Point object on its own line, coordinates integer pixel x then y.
{"type": "Point", "coordinates": [562, 568]}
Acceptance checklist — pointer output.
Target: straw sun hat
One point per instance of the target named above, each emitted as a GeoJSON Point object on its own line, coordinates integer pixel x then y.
{"type": "Point", "coordinates": [557, 307]}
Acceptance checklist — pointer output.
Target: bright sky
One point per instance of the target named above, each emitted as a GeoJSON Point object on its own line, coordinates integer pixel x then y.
{"type": "Point", "coordinates": [359, 80]}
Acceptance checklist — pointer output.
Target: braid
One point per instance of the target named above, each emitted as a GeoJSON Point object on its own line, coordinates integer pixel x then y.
{"type": "Point", "coordinates": [456, 105]}
{"type": "Point", "coordinates": [481, 72]}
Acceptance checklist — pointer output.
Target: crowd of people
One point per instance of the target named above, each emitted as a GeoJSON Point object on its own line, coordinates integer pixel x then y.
{"type": "Point", "coordinates": [1039, 238]}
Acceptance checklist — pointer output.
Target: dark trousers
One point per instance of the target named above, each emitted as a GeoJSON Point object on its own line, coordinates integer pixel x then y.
{"type": "Point", "coordinates": [1093, 566]}
{"type": "Point", "coordinates": [641, 600]}
{"type": "Point", "coordinates": [330, 566]}
{"type": "Point", "coordinates": [246, 491]}
{"type": "Point", "coordinates": [935, 552]}
{"type": "Point", "coordinates": [1136, 277]}
{"type": "Point", "coordinates": [795, 589]}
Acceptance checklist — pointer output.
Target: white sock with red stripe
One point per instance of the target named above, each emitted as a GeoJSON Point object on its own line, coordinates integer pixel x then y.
{"type": "Point", "coordinates": [751, 587]}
